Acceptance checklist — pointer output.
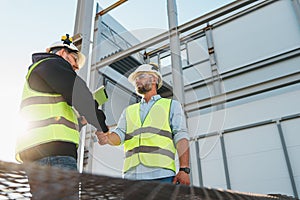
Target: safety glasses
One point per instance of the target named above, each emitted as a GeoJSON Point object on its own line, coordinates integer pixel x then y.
{"type": "Point", "coordinates": [142, 76]}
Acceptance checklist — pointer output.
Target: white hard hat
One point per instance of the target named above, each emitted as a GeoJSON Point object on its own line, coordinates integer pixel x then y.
{"type": "Point", "coordinates": [66, 42]}
{"type": "Point", "coordinates": [146, 68]}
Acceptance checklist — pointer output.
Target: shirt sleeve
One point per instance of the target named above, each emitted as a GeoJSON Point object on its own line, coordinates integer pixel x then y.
{"type": "Point", "coordinates": [120, 130]}
{"type": "Point", "coordinates": [178, 122]}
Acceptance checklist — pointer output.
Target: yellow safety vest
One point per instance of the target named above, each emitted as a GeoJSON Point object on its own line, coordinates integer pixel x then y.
{"type": "Point", "coordinates": [151, 142]}
{"type": "Point", "coordinates": [49, 118]}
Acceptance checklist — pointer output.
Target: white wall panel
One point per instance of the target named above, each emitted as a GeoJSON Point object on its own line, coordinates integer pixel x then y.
{"type": "Point", "coordinates": [297, 180]}
{"type": "Point", "coordinates": [257, 35]}
{"type": "Point", "coordinates": [212, 162]}
{"type": "Point", "coordinates": [248, 113]}
{"type": "Point", "coordinates": [211, 122]}
{"type": "Point", "coordinates": [290, 130]}
{"type": "Point", "coordinates": [190, 75]}
{"type": "Point", "coordinates": [193, 164]}
{"type": "Point", "coordinates": [256, 161]}
{"type": "Point", "coordinates": [196, 73]}
{"type": "Point", "coordinates": [118, 101]}
{"type": "Point", "coordinates": [197, 50]}
{"type": "Point", "coordinates": [262, 74]}
{"type": "Point", "coordinates": [108, 160]}
{"type": "Point", "coordinates": [194, 95]}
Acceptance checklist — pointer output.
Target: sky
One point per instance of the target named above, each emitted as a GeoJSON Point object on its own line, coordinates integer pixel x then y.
{"type": "Point", "coordinates": [31, 26]}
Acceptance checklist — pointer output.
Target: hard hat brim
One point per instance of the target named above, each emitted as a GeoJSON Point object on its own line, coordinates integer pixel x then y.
{"type": "Point", "coordinates": [133, 75]}
{"type": "Point", "coordinates": [81, 60]}
{"type": "Point", "coordinates": [81, 56]}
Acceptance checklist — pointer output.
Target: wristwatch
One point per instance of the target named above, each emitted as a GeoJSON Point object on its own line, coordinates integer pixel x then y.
{"type": "Point", "coordinates": [185, 169]}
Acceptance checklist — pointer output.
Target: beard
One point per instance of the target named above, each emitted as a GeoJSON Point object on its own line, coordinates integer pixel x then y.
{"type": "Point", "coordinates": [144, 88]}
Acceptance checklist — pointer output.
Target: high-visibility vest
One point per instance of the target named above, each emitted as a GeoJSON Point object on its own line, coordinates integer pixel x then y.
{"type": "Point", "coordinates": [48, 116]}
{"type": "Point", "coordinates": [149, 143]}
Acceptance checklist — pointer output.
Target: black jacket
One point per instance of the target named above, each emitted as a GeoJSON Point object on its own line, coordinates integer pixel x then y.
{"type": "Point", "coordinates": [57, 76]}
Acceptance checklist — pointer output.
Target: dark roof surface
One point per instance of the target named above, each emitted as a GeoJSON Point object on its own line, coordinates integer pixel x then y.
{"type": "Point", "coordinates": [52, 183]}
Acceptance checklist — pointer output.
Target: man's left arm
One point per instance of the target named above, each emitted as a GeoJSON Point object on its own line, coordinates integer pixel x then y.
{"type": "Point", "coordinates": [183, 177]}
{"type": "Point", "coordinates": [181, 139]}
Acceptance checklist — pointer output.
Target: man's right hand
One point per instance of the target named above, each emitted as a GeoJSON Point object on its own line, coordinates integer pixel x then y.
{"type": "Point", "coordinates": [102, 137]}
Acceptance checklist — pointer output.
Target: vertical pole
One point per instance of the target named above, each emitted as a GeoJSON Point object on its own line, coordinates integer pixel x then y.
{"type": "Point", "coordinates": [178, 88]}
{"type": "Point", "coordinates": [216, 79]}
{"type": "Point", "coordinates": [177, 74]}
{"type": "Point", "coordinates": [199, 163]}
{"type": "Point", "coordinates": [94, 75]}
{"type": "Point", "coordinates": [83, 22]}
{"type": "Point", "coordinates": [187, 53]}
{"type": "Point", "coordinates": [81, 149]}
{"type": "Point", "coordinates": [225, 161]}
{"type": "Point", "coordinates": [83, 26]}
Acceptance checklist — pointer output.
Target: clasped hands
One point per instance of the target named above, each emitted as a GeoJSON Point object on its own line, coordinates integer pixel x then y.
{"type": "Point", "coordinates": [102, 137]}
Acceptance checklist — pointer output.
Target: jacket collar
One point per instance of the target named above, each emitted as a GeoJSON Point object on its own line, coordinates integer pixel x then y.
{"type": "Point", "coordinates": [39, 56]}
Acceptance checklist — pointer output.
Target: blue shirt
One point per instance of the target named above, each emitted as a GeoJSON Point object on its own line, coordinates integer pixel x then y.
{"type": "Point", "coordinates": [179, 130]}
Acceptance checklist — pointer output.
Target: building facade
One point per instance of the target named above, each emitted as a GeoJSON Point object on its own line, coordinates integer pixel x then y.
{"type": "Point", "coordinates": [241, 77]}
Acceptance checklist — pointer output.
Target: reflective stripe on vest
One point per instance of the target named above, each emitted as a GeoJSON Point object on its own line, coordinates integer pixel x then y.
{"type": "Point", "coordinates": [149, 143]}
{"type": "Point", "coordinates": [49, 118]}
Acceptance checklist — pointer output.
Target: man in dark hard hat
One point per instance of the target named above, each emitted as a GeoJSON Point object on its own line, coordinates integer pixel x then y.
{"type": "Point", "coordinates": [151, 132]}
{"type": "Point", "coordinates": [52, 89]}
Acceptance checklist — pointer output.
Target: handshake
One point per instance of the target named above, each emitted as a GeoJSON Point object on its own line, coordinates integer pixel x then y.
{"type": "Point", "coordinates": [102, 137]}
{"type": "Point", "coordinates": [110, 138]}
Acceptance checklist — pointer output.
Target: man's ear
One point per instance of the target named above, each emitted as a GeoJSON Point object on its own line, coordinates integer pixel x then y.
{"type": "Point", "coordinates": [61, 52]}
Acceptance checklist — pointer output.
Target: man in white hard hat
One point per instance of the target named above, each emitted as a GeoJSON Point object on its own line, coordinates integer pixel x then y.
{"type": "Point", "coordinates": [66, 49]}
{"type": "Point", "coordinates": [51, 91]}
{"type": "Point", "coordinates": [151, 132]}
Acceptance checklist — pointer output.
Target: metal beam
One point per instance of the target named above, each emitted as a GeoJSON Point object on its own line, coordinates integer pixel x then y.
{"type": "Point", "coordinates": [224, 156]}
{"type": "Point", "coordinates": [243, 127]}
{"type": "Point", "coordinates": [185, 27]}
{"type": "Point", "coordinates": [287, 158]}
{"type": "Point", "coordinates": [106, 10]}
{"type": "Point", "coordinates": [83, 24]}
{"type": "Point", "coordinates": [118, 56]}
{"type": "Point", "coordinates": [200, 176]}
{"type": "Point", "coordinates": [178, 86]}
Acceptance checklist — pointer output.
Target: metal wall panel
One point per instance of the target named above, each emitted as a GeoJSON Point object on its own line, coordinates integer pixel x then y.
{"type": "Point", "coordinates": [255, 157]}
{"type": "Point", "coordinates": [196, 73]}
{"type": "Point", "coordinates": [196, 176]}
{"type": "Point", "coordinates": [239, 141]}
{"type": "Point", "coordinates": [212, 162]}
{"type": "Point", "coordinates": [256, 161]}
{"type": "Point", "coordinates": [264, 109]}
{"type": "Point", "coordinates": [198, 93]}
{"type": "Point", "coordinates": [290, 130]}
{"type": "Point", "coordinates": [197, 50]}
{"type": "Point", "coordinates": [104, 164]}
{"type": "Point", "coordinates": [262, 74]}
{"type": "Point", "coordinates": [256, 35]}
{"type": "Point", "coordinates": [118, 101]}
